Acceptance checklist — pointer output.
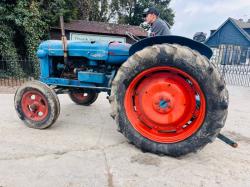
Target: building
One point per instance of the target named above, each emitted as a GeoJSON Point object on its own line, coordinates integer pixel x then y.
{"type": "Point", "coordinates": [98, 31]}
{"type": "Point", "coordinates": [232, 41]}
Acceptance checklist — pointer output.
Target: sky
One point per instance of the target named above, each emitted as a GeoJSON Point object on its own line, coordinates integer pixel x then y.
{"type": "Point", "coordinates": [193, 16]}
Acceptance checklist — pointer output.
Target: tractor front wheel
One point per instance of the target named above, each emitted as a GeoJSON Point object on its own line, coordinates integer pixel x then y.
{"type": "Point", "coordinates": [37, 105]}
{"type": "Point", "coordinates": [84, 98]}
{"type": "Point", "coordinates": [169, 99]}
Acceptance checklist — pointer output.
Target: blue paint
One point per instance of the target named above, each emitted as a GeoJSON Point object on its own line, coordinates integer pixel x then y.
{"type": "Point", "coordinates": [102, 61]}
{"type": "Point", "coordinates": [92, 51]}
{"type": "Point", "coordinates": [91, 77]}
{"type": "Point", "coordinates": [93, 63]}
{"type": "Point", "coordinates": [109, 52]}
{"type": "Point", "coordinates": [229, 34]}
{"type": "Point", "coordinates": [72, 83]}
{"type": "Point", "coordinates": [118, 52]}
{"type": "Point", "coordinates": [45, 66]}
{"type": "Point", "coordinates": [163, 104]}
{"type": "Point", "coordinates": [247, 31]}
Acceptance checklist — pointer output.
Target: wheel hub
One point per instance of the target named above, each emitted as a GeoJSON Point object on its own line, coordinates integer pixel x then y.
{"type": "Point", "coordinates": [164, 99]}
{"type": "Point", "coordinates": [162, 105]}
{"type": "Point", "coordinates": [34, 105]}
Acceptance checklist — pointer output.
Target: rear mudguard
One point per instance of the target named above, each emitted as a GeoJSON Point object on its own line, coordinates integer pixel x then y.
{"type": "Point", "coordinates": [201, 48]}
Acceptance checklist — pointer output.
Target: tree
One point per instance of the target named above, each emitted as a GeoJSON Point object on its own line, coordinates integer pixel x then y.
{"type": "Point", "coordinates": [51, 10]}
{"type": "Point", "coordinates": [95, 10]}
{"type": "Point", "coordinates": [120, 11]}
{"type": "Point", "coordinates": [7, 37]}
{"type": "Point", "coordinates": [24, 23]}
{"type": "Point", "coordinates": [132, 11]}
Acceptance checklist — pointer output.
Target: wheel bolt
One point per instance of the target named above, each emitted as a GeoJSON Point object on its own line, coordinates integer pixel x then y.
{"type": "Point", "coordinates": [33, 97]}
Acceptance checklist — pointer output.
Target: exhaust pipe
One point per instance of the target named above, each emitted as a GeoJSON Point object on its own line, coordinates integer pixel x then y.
{"type": "Point", "coordinates": [64, 40]}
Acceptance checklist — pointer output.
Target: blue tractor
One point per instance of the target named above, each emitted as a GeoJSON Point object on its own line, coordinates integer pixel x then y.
{"type": "Point", "coordinates": [166, 96]}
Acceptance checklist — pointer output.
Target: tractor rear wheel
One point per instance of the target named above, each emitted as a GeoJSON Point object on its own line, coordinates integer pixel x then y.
{"type": "Point", "coordinates": [37, 105]}
{"type": "Point", "coordinates": [83, 98]}
{"type": "Point", "coordinates": [169, 99]}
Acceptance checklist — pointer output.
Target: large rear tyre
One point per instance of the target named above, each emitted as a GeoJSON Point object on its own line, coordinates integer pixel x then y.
{"type": "Point", "coordinates": [83, 98]}
{"type": "Point", "coordinates": [169, 99]}
{"type": "Point", "coordinates": [37, 105]}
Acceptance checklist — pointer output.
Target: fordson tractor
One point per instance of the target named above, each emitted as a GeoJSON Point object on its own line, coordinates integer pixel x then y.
{"type": "Point", "coordinates": [166, 96]}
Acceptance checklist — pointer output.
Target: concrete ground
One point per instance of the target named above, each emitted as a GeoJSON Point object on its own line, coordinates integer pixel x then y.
{"type": "Point", "coordinates": [83, 148]}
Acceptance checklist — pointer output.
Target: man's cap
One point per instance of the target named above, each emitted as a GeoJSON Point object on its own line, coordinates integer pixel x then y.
{"type": "Point", "coordinates": [151, 10]}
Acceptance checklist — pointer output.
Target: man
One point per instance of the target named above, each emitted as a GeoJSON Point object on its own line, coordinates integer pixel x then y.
{"type": "Point", "coordinates": [158, 26]}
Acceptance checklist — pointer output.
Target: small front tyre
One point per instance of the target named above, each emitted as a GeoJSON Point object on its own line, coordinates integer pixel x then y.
{"type": "Point", "coordinates": [37, 105]}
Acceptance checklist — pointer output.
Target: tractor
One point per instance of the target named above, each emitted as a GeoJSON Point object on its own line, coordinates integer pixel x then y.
{"type": "Point", "coordinates": [166, 96]}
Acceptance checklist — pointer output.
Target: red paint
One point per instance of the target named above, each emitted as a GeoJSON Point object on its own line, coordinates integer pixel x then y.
{"type": "Point", "coordinates": [81, 96]}
{"type": "Point", "coordinates": [160, 103]}
{"type": "Point", "coordinates": [34, 105]}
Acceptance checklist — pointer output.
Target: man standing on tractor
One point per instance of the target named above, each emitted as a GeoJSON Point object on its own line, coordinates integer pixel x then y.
{"type": "Point", "coordinates": [158, 26]}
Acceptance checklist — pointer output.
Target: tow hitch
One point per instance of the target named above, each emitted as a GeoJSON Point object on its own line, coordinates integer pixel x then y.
{"type": "Point", "coordinates": [227, 140]}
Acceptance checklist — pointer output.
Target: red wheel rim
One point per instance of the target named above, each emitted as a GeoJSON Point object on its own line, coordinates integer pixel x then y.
{"type": "Point", "coordinates": [34, 105]}
{"type": "Point", "coordinates": [165, 104]}
{"type": "Point", "coordinates": [81, 96]}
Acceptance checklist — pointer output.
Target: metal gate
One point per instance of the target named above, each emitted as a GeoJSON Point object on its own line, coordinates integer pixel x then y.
{"type": "Point", "coordinates": [234, 64]}
{"type": "Point", "coordinates": [232, 61]}
{"type": "Point", "coordinates": [14, 72]}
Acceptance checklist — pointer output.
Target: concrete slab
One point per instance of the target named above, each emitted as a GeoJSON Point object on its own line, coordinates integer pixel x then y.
{"type": "Point", "coordinates": [83, 148]}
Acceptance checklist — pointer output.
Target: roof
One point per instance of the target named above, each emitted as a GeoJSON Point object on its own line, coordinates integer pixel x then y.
{"type": "Point", "coordinates": [240, 25]}
{"type": "Point", "coordinates": [102, 28]}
